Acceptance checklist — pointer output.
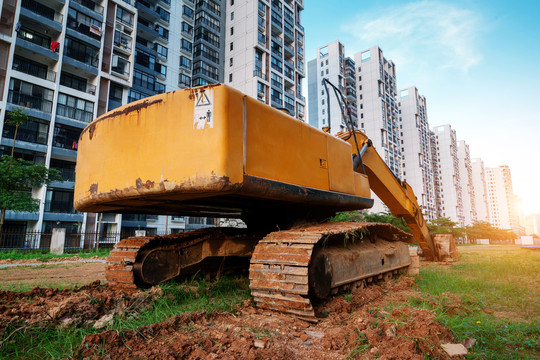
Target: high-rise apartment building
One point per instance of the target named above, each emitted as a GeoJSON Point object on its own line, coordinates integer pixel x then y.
{"type": "Point", "coordinates": [500, 195]}
{"type": "Point", "coordinates": [62, 63]}
{"type": "Point", "coordinates": [436, 174]}
{"type": "Point", "coordinates": [466, 182]}
{"type": "Point", "coordinates": [324, 108]}
{"type": "Point", "coordinates": [209, 43]}
{"type": "Point", "coordinates": [448, 191]}
{"type": "Point", "coordinates": [65, 62]}
{"type": "Point", "coordinates": [264, 52]}
{"type": "Point", "coordinates": [532, 224]}
{"type": "Point", "coordinates": [480, 191]}
{"type": "Point", "coordinates": [377, 105]}
{"type": "Point", "coordinates": [416, 150]}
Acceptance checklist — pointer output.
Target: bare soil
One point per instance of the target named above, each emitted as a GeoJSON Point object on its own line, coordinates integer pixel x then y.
{"type": "Point", "coordinates": [61, 275]}
{"type": "Point", "coordinates": [374, 322]}
{"type": "Point", "coordinates": [365, 327]}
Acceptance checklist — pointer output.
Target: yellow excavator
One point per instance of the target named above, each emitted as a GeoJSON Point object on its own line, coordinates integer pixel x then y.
{"type": "Point", "coordinates": [212, 151]}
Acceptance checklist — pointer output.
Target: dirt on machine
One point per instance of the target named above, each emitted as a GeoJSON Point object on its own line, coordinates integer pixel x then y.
{"type": "Point", "coordinates": [212, 151]}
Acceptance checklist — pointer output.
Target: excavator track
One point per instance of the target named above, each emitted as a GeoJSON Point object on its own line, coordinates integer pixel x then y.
{"type": "Point", "coordinates": [138, 262]}
{"type": "Point", "coordinates": [290, 268]}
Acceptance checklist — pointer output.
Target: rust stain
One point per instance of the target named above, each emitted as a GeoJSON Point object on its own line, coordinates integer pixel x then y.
{"type": "Point", "coordinates": [139, 105]}
{"type": "Point", "coordinates": [93, 189]}
{"type": "Point", "coordinates": [147, 185]}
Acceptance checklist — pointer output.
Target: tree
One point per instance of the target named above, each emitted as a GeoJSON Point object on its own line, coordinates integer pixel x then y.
{"type": "Point", "coordinates": [444, 225]}
{"type": "Point", "coordinates": [484, 230]}
{"type": "Point", "coordinates": [15, 118]}
{"type": "Point", "coordinates": [18, 176]}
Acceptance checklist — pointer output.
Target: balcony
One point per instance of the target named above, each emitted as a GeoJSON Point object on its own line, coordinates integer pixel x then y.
{"type": "Point", "coordinates": [288, 32]}
{"type": "Point", "coordinates": [36, 43]}
{"type": "Point", "coordinates": [301, 97]}
{"type": "Point", "coordinates": [85, 59]}
{"type": "Point", "coordinates": [92, 34]}
{"type": "Point", "coordinates": [44, 14]}
{"type": "Point", "coordinates": [259, 73]}
{"type": "Point", "coordinates": [147, 32]}
{"type": "Point", "coordinates": [66, 174]}
{"type": "Point", "coordinates": [276, 101]}
{"type": "Point", "coordinates": [148, 12]}
{"type": "Point", "coordinates": [123, 42]}
{"type": "Point", "coordinates": [33, 69]}
{"type": "Point", "coordinates": [90, 5]}
{"type": "Point", "coordinates": [277, 26]}
{"type": "Point", "coordinates": [261, 38]}
{"type": "Point", "coordinates": [74, 113]}
{"type": "Point", "coordinates": [29, 101]}
{"type": "Point", "coordinates": [262, 9]}
{"type": "Point", "coordinates": [289, 108]}
{"type": "Point", "coordinates": [31, 132]}
{"type": "Point", "coordinates": [300, 27]}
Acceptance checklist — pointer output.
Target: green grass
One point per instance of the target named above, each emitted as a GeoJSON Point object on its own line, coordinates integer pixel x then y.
{"type": "Point", "coordinates": [56, 342]}
{"type": "Point", "coordinates": [499, 297]}
{"type": "Point", "coordinates": [44, 255]}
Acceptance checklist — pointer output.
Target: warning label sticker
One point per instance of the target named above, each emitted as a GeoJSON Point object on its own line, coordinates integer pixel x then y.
{"type": "Point", "coordinates": [204, 108]}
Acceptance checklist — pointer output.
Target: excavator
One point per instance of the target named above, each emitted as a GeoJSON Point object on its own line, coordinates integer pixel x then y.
{"type": "Point", "coordinates": [212, 151]}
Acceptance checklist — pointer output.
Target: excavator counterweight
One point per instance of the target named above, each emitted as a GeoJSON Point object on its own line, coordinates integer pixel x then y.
{"type": "Point", "coordinates": [213, 152]}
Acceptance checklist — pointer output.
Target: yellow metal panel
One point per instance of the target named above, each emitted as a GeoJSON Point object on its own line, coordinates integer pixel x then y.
{"type": "Point", "coordinates": [284, 149]}
{"type": "Point", "coordinates": [153, 146]}
{"type": "Point", "coordinates": [340, 166]}
{"type": "Point", "coordinates": [361, 185]}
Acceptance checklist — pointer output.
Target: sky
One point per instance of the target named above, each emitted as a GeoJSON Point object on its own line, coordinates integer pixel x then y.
{"type": "Point", "coordinates": [476, 62]}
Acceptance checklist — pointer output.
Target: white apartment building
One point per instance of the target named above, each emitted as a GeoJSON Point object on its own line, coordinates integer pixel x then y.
{"type": "Point", "coordinates": [500, 195]}
{"type": "Point", "coordinates": [448, 191]}
{"type": "Point", "coordinates": [480, 191]}
{"type": "Point", "coordinates": [324, 108]}
{"type": "Point", "coordinates": [416, 150]}
{"type": "Point", "coordinates": [264, 52]}
{"type": "Point", "coordinates": [62, 63]}
{"type": "Point", "coordinates": [66, 62]}
{"type": "Point", "coordinates": [377, 105]}
{"type": "Point", "coordinates": [532, 224]}
{"type": "Point", "coordinates": [466, 182]}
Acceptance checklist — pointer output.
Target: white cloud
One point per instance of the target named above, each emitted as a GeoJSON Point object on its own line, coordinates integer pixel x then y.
{"type": "Point", "coordinates": [425, 33]}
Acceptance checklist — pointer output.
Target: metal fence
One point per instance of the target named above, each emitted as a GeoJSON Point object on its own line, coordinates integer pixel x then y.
{"type": "Point", "coordinates": [41, 240]}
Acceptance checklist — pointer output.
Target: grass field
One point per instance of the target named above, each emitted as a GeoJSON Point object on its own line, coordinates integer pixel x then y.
{"type": "Point", "coordinates": [491, 295]}
{"type": "Point", "coordinates": [44, 255]}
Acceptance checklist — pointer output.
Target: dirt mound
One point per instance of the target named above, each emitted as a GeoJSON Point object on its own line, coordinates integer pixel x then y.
{"type": "Point", "coordinates": [86, 306]}
{"type": "Point", "coordinates": [368, 323]}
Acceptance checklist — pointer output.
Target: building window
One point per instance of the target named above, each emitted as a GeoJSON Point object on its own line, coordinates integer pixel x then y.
{"type": "Point", "coordinates": [232, 15]}
{"type": "Point", "coordinates": [230, 77]}
{"type": "Point", "coordinates": [188, 29]}
{"type": "Point", "coordinates": [115, 92]}
{"type": "Point", "coordinates": [231, 46]}
{"type": "Point", "coordinates": [188, 12]}
{"type": "Point", "coordinates": [75, 108]}
{"type": "Point", "coordinates": [231, 62]}
{"type": "Point", "coordinates": [232, 30]}
{"type": "Point", "coordinates": [185, 62]}
{"type": "Point", "coordinates": [124, 16]}
{"type": "Point", "coordinates": [186, 45]}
